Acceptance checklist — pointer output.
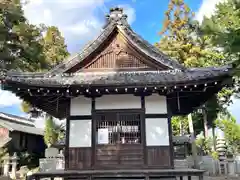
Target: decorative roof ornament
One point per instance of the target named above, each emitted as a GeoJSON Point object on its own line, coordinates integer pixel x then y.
{"type": "Point", "coordinates": [117, 16]}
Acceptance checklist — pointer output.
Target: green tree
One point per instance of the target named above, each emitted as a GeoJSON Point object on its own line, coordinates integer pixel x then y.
{"type": "Point", "coordinates": [183, 40]}
{"type": "Point", "coordinates": [204, 144]}
{"type": "Point", "coordinates": [231, 131]}
{"type": "Point", "coordinates": [53, 131]}
{"type": "Point", "coordinates": [19, 41]}
{"type": "Point", "coordinates": [55, 49]}
{"type": "Point", "coordinates": [179, 125]}
{"type": "Point", "coordinates": [25, 107]}
{"type": "Point", "coordinates": [50, 134]}
{"type": "Point", "coordinates": [224, 28]}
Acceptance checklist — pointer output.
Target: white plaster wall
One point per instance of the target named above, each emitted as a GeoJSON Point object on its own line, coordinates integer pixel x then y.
{"type": "Point", "coordinates": [155, 104]}
{"type": "Point", "coordinates": [81, 106]}
{"type": "Point", "coordinates": [80, 133]}
{"type": "Point", "coordinates": [157, 132]}
{"type": "Point", "coordinates": [118, 102]}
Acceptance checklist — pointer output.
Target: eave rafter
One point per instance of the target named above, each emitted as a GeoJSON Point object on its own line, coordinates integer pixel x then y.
{"type": "Point", "coordinates": [55, 100]}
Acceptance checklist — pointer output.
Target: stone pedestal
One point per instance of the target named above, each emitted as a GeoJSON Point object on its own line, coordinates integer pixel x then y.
{"type": "Point", "coordinates": [180, 164]}
{"type": "Point", "coordinates": [51, 152]}
{"type": "Point", "coordinates": [6, 165]}
{"type": "Point", "coordinates": [223, 167]}
{"type": "Point", "coordinates": [52, 161]}
{"type": "Point", "coordinates": [231, 167]}
{"type": "Point", "coordinates": [237, 164]}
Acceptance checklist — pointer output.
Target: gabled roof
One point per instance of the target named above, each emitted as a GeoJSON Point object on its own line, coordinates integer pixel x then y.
{"type": "Point", "coordinates": [16, 123]}
{"type": "Point", "coordinates": [118, 20]}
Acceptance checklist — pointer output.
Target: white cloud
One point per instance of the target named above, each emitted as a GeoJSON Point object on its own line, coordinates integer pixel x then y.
{"type": "Point", "coordinates": [207, 9]}
{"type": "Point", "coordinates": [70, 16]}
{"type": "Point", "coordinates": [8, 99]}
{"type": "Point", "coordinates": [76, 19]}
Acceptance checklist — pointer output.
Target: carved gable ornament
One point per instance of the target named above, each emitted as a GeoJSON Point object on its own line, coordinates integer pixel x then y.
{"type": "Point", "coordinates": [118, 55]}
{"type": "Point", "coordinates": [117, 48]}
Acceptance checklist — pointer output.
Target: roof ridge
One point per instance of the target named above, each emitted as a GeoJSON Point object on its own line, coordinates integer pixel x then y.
{"type": "Point", "coordinates": [16, 119]}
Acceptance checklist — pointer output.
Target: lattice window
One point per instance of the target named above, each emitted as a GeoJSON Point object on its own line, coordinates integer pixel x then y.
{"type": "Point", "coordinates": [118, 128]}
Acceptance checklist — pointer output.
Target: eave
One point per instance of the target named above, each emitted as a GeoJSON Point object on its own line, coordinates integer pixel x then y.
{"type": "Point", "coordinates": [122, 78]}
{"type": "Point", "coordinates": [52, 94]}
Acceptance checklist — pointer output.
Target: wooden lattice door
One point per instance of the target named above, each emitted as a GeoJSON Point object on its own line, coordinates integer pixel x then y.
{"type": "Point", "coordinates": [119, 138]}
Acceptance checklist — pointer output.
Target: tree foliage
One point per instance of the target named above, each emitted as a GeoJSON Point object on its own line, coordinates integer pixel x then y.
{"type": "Point", "coordinates": [224, 27]}
{"type": "Point", "coordinates": [231, 131]}
{"type": "Point", "coordinates": [3, 153]}
{"type": "Point", "coordinates": [183, 40]}
{"type": "Point", "coordinates": [50, 134]}
{"type": "Point", "coordinates": [55, 49]}
{"type": "Point", "coordinates": [27, 47]}
{"type": "Point", "coordinates": [179, 125]}
{"type": "Point", "coordinates": [204, 144]}
{"type": "Point", "coordinates": [19, 41]}
{"type": "Point", "coordinates": [25, 106]}
{"type": "Point", "coordinates": [53, 132]}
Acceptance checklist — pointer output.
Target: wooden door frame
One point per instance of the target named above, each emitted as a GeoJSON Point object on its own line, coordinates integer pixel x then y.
{"type": "Point", "coordinates": [140, 111]}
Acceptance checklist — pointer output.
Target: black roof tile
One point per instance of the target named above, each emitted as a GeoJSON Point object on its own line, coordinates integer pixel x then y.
{"type": "Point", "coordinates": [171, 77]}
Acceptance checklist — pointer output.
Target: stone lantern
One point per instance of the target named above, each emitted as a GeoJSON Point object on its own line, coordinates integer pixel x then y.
{"type": "Point", "coordinates": [6, 164]}
{"type": "Point", "coordinates": [14, 164]}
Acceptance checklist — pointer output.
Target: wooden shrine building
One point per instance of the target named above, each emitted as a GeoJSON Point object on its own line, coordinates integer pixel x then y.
{"type": "Point", "coordinates": [118, 96]}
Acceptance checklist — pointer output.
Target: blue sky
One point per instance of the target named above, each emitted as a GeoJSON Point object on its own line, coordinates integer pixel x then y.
{"type": "Point", "coordinates": [81, 20]}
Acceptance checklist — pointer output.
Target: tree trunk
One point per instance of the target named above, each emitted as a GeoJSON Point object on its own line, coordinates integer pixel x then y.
{"type": "Point", "coordinates": [194, 147]}
{"type": "Point", "coordinates": [205, 123]}
{"type": "Point", "coordinates": [181, 128]}
{"type": "Point", "coordinates": [214, 137]}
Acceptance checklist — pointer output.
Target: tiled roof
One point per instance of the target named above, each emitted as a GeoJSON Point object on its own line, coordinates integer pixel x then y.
{"type": "Point", "coordinates": [122, 78]}
{"type": "Point", "coordinates": [19, 124]}
{"type": "Point", "coordinates": [17, 119]}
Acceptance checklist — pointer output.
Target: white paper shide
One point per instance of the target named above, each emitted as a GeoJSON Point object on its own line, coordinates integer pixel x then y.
{"type": "Point", "coordinates": [103, 136]}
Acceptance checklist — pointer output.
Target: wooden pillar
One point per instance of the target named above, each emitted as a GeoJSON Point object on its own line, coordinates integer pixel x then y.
{"type": "Point", "coordinates": [143, 130]}
{"type": "Point", "coordinates": [170, 134]}
{"type": "Point", "coordinates": [93, 133]}
{"type": "Point", "coordinates": [66, 149]}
